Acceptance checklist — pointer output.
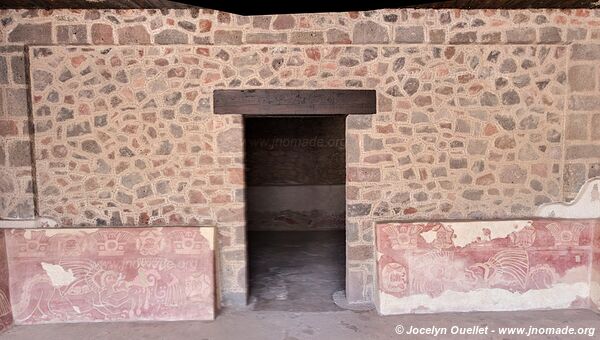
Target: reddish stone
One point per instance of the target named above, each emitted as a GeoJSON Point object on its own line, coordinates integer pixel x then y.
{"type": "Point", "coordinates": [133, 35]}
{"type": "Point", "coordinates": [8, 128]}
{"type": "Point", "coordinates": [409, 211]}
{"type": "Point", "coordinates": [197, 197]}
{"type": "Point", "coordinates": [204, 25]}
{"type": "Point", "coordinates": [283, 22]}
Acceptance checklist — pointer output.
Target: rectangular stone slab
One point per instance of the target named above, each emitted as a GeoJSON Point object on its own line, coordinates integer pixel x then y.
{"type": "Point", "coordinates": [428, 267]}
{"type": "Point", "coordinates": [111, 274]}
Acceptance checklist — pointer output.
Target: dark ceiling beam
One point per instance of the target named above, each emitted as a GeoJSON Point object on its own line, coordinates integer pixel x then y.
{"type": "Point", "coordinates": [283, 7]}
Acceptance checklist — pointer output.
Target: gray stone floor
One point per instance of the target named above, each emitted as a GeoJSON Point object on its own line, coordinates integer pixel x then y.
{"type": "Point", "coordinates": [346, 325]}
{"type": "Point", "coordinates": [296, 271]}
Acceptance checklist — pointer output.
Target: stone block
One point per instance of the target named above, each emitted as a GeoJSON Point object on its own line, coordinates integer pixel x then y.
{"type": "Point", "coordinates": [409, 35]}
{"type": "Point", "coordinates": [307, 38]}
{"type": "Point", "coordinates": [133, 35]}
{"type": "Point", "coordinates": [223, 37]}
{"type": "Point", "coordinates": [521, 36]}
{"type": "Point", "coordinates": [581, 78]}
{"type": "Point", "coordinates": [71, 34]}
{"type": "Point", "coordinates": [31, 34]}
{"type": "Point", "coordinates": [369, 32]}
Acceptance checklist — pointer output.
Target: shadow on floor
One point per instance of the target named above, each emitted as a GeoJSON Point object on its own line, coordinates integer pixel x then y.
{"type": "Point", "coordinates": [296, 271]}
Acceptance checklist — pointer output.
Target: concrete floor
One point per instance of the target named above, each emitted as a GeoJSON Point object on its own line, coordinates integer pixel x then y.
{"type": "Point", "coordinates": [346, 325]}
{"type": "Point", "coordinates": [296, 271]}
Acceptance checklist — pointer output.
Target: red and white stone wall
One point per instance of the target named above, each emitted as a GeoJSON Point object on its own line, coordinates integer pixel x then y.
{"type": "Point", "coordinates": [476, 118]}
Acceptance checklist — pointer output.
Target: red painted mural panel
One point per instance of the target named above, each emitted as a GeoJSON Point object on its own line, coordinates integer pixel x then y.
{"type": "Point", "coordinates": [6, 318]}
{"type": "Point", "coordinates": [503, 265]}
{"type": "Point", "coordinates": [111, 274]}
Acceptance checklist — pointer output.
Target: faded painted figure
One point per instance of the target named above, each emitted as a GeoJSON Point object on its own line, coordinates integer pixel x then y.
{"type": "Point", "coordinates": [130, 274]}
{"type": "Point", "coordinates": [494, 265]}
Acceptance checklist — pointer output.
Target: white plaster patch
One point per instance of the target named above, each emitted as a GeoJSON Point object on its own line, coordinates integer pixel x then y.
{"type": "Point", "coordinates": [585, 205]}
{"type": "Point", "coordinates": [595, 294]}
{"type": "Point", "coordinates": [209, 234]}
{"type": "Point", "coordinates": [468, 232]}
{"type": "Point", "coordinates": [36, 223]}
{"type": "Point", "coordinates": [560, 295]}
{"type": "Point", "coordinates": [58, 275]}
{"type": "Point", "coordinates": [57, 231]}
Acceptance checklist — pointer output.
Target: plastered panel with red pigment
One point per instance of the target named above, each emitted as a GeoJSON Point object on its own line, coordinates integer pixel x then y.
{"type": "Point", "coordinates": [110, 274]}
{"type": "Point", "coordinates": [483, 265]}
{"type": "Point", "coordinates": [6, 318]}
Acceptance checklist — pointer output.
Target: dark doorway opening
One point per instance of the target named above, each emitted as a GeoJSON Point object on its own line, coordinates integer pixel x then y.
{"type": "Point", "coordinates": [295, 201]}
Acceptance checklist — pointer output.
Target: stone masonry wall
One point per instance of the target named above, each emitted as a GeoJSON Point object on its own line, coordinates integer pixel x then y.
{"type": "Point", "coordinates": [472, 107]}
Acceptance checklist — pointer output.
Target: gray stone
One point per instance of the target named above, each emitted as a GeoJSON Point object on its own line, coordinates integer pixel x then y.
{"type": "Point", "coordinates": [16, 102]}
{"type": "Point", "coordinates": [550, 35]}
{"type": "Point", "coordinates": [358, 122]}
{"type": "Point", "coordinates": [418, 117]}
{"type": "Point", "coordinates": [458, 163]}
{"type": "Point", "coordinates": [472, 194]}
{"type": "Point", "coordinates": [506, 122]}
{"type": "Point", "coordinates": [133, 35]}
{"type": "Point", "coordinates": [510, 97]}
{"type": "Point", "coordinates": [369, 32]}
{"type": "Point", "coordinates": [79, 129]}
{"type": "Point", "coordinates": [527, 153]}
{"type": "Point", "coordinates": [64, 114]}
{"type": "Point", "coordinates": [372, 144]}
{"type": "Point", "coordinates": [71, 34]}
{"type": "Point", "coordinates": [463, 38]}
{"type": "Point", "coordinates": [41, 79]}
{"type": "Point", "coordinates": [230, 140]}
{"type": "Point", "coordinates": [477, 147]}
{"type": "Point", "coordinates": [529, 122]}
{"type": "Point", "coordinates": [411, 86]}
{"type": "Point", "coordinates": [513, 174]}
{"type": "Point", "coordinates": [131, 180]}
{"type": "Point", "coordinates": [488, 99]}
{"type": "Point", "coordinates": [585, 52]}
{"type": "Point", "coordinates": [505, 142]}
{"type": "Point", "coordinates": [172, 98]}
{"type": "Point", "coordinates": [3, 70]}
{"type": "Point", "coordinates": [91, 146]}
{"type": "Point", "coordinates": [165, 148]}
{"type": "Point", "coordinates": [17, 65]}
{"type": "Point", "coordinates": [307, 38]}
{"type": "Point", "coordinates": [64, 76]}
{"type": "Point", "coordinates": [32, 34]}
{"type": "Point", "coordinates": [590, 151]}
{"type": "Point", "coordinates": [171, 36]}
{"type": "Point", "coordinates": [575, 34]}
{"type": "Point", "coordinates": [144, 191]}
{"type": "Point", "coordinates": [409, 35]}
{"type": "Point", "coordinates": [124, 198]}
{"type": "Point", "coordinates": [266, 38]}
{"type": "Point", "coordinates": [584, 103]}
{"type": "Point", "coordinates": [573, 177]}
{"type": "Point", "coordinates": [595, 126]}
{"type": "Point", "coordinates": [520, 36]}
{"type": "Point", "coordinates": [19, 153]}
{"type": "Point", "coordinates": [581, 78]}
{"type": "Point", "coordinates": [336, 36]}
{"type": "Point", "coordinates": [508, 66]}
{"type": "Point", "coordinates": [358, 209]}
{"type": "Point", "coordinates": [223, 37]}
